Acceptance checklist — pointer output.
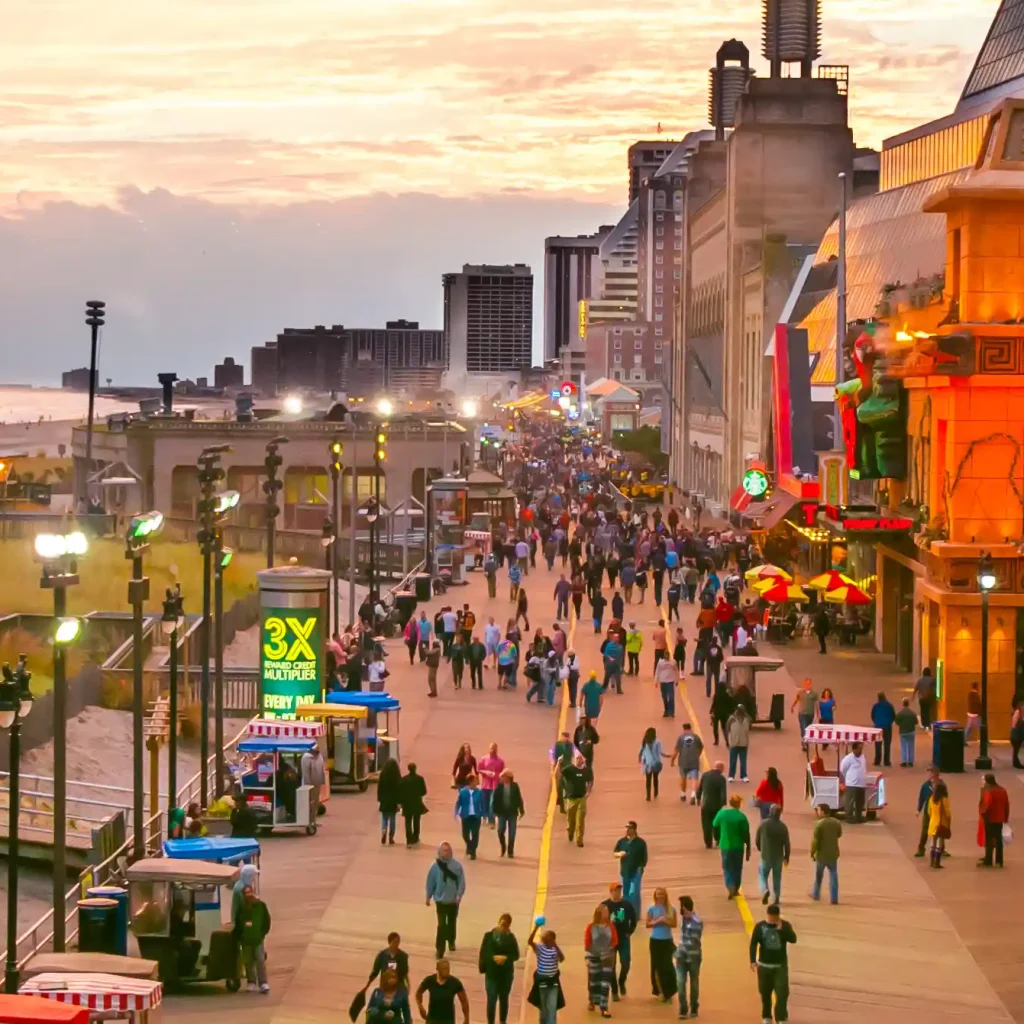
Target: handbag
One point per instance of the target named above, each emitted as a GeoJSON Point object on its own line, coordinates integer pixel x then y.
{"type": "Point", "coordinates": [356, 1007]}
{"type": "Point", "coordinates": [943, 832]}
{"type": "Point", "coordinates": [1007, 833]}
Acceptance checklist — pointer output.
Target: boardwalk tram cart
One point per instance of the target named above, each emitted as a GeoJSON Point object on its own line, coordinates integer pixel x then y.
{"type": "Point", "coordinates": [103, 996]}
{"type": "Point", "coordinates": [348, 751]}
{"type": "Point", "coordinates": [824, 785]}
{"type": "Point", "coordinates": [741, 674]}
{"type": "Point", "coordinates": [380, 731]}
{"type": "Point", "coordinates": [219, 849]}
{"type": "Point", "coordinates": [181, 918]}
{"type": "Point", "coordinates": [271, 774]}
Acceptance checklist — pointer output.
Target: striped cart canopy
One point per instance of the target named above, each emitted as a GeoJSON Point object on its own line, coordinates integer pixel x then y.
{"type": "Point", "coordinates": [842, 734]}
{"type": "Point", "coordinates": [98, 992]}
{"type": "Point", "coordinates": [270, 728]}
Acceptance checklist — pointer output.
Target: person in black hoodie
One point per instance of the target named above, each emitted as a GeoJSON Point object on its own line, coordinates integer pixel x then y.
{"type": "Point", "coordinates": [712, 795]}
{"type": "Point", "coordinates": [507, 806]}
{"type": "Point", "coordinates": [770, 962]}
{"type": "Point", "coordinates": [623, 915]}
{"type": "Point", "coordinates": [722, 707]}
{"type": "Point", "coordinates": [411, 791]}
{"type": "Point", "coordinates": [499, 952]}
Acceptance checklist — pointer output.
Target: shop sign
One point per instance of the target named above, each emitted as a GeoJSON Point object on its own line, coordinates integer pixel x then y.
{"type": "Point", "coordinates": [882, 524]}
{"type": "Point", "coordinates": [290, 660]}
{"type": "Point", "coordinates": [755, 483]}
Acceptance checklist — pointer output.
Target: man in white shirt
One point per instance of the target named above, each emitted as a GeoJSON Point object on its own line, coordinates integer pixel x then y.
{"type": "Point", "coordinates": [523, 556]}
{"type": "Point", "coordinates": [740, 638]}
{"type": "Point", "coordinates": [854, 772]}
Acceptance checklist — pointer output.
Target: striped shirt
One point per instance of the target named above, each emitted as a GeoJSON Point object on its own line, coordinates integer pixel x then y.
{"type": "Point", "coordinates": [547, 959]}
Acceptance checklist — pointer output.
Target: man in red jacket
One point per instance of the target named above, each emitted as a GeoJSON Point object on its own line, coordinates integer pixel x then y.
{"type": "Point", "coordinates": [994, 808]}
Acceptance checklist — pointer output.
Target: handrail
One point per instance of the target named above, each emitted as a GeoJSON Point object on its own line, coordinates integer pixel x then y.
{"type": "Point", "coordinates": [403, 583]}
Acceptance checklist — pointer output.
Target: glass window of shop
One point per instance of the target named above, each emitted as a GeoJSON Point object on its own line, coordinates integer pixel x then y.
{"type": "Point", "coordinates": [942, 152]}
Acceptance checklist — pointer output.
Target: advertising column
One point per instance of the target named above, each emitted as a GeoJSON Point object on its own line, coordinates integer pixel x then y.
{"type": "Point", "coordinates": [293, 618]}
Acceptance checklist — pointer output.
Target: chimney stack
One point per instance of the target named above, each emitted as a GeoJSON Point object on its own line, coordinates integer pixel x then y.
{"type": "Point", "coordinates": [167, 383]}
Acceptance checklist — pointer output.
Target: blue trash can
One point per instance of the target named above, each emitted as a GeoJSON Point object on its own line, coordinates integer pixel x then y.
{"type": "Point", "coordinates": [936, 726]}
{"type": "Point", "coordinates": [97, 925]}
{"type": "Point", "coordinates": [116, 893]}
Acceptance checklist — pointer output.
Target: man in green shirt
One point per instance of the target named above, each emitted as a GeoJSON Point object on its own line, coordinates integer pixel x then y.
{"type": "Point", "coordinates": [592, 697]}
{"type": "Point", "coordinates": [825, 852]}
{"type": "Point", "coordinates": [807, 700]}
{"type": "Point", "coordinates": [906, 722]}
{"type": "Point", "coordinates": [734, 839]}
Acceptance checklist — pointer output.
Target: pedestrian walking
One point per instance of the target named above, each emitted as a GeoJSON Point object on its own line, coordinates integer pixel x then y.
{"type": "Point", "coordinates": [634, 645]}
{"type": "Point", "coordinates": [973, 713]}
{"type": "Point", "coordinates": [469, 809]}
{"type": "Point", "coordinates": [853, 770]}
{"type": "Point", "coordinates": [522, 606]}
{"type": "Point", "coordinates": [563, 590]}
{"type": "Point", "coordinates": [737, 735]}
{"type": "Point", "coordinates": [432, 657]}
{"type": "Point", "coordinates": [661, 919]}
{"type": "Point", "coordinates": [598, 603]}
{"type": "Point", "coordinates": [476, 655]}
{"type": "Point", "coordinates": [883, 716]}
{"type": "Point", "coordinates": [688, 957]}
{"type": "Point", "coordinates": [631, 851]}
{"type": "Point", "coordinates": [599, 943]}
{"type": "Point", "coordinates": [769, 793]}
{"type": "Point", "coordinates": [457, 654]}
{"type": "Point", "coordinates": [546, 991]}
{"type": "Point", "coordinates": [906, 724]}
{"type": "Point", "coordinates": [576, 780]}
{"type": "Point", "coordinates": [389, 1002]}
{"type": "Point", "coordinates": [464, 766]}
{"type": "Point", "coordinates": [651, 757]}
{"type": "Point", "coordinates": [489, 768]}
{"type": "Point", "coordinates": [827, 707]}
{"type": "Point", "coordinates": [426, 631]}
{"type": "Point", "coordinates": [441, 990]}
{"type": "Point", "coordinates": [805, 704]}
{"type": "Point", "coordinates": [994, 812]}
{"type": "Point", "coordinates": [499, 953]}
{"type": "Point", "coordinates": [562, 754]}
{"type": "Point", "coordinates": [825, 852]}
{"type": "Point", "coordinates": [821, 626]}
{"type": "Point", "coordinates": [772, 842]}
{"type": "Point", "coordinates": [618, 606]}
{"type": "Point", "coordinates": [492, 637]}
{"type": "Point", "coordinates": [623, 916]}
{"type": "Point", "coordinates": [446, 885]}
{"type": "Point", "coordinates": [940, 822]}
{"type": "Point", "coordinates": [687, 753]}
{"type": "Point", "coordinates": [666, 676]}
{"type": "Point", "coordinates": [491, 575]}
{"type": "Point", "coordinates": [712, 795]}
{"type": "Point", "coordinates": [251, 927]}
{"type": "Point", "coordinates": [733, 843]}
{"type": "Point", "coordinates": [924, 690]}
{"type": "Point", "coordinates": [679, 651]}
{"type": "Point", "coordinates": [722, 707]}
{"type": "Point", "coordinates": [411, 796]}
{"type": "Point", "coordinates": [515, 581]}
{"type": "Point", "coordinates": [411, 635]}
{"type": "Point", "coordinates": [508, 808]}
{"type": "Point", "coordinates": [713, 658]}
{"type": "Point", "coordinates": [1017, 732]}
{"type": "Point", "coordinates": [923, 796]}
{"type": "Point", "coordinates": [391, 958]}
{"type": "Point", "coordinates": [571, 672]}
{"type": "Point", "coordinates": [769, 960]}
{"type": "Point", "coordinates": [592, 698]}
{"type": "Point", "coordinates": [389, 799]}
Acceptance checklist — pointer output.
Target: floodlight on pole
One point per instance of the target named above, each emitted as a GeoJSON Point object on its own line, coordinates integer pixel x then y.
{"type": "Point", "coordinates": [385, 406]}
{"type": "Point", "coordinates": [67, 631]}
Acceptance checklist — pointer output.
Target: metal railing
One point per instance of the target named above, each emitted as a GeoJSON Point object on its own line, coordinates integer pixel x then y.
{"type": "Point", "coordinates": [111, 871]}
{"type": "Point", "coordinates": [81, 808]}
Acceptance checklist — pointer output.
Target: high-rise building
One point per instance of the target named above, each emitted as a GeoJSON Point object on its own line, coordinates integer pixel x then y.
{"type": "Point", "coordinates": [263, 364]}
{"type": "Point", "coordinates": [229, 374]}
{"type": "Point", "coordinates": [572, 273]}
{"type": "Point", "coordinates": [488, 320]}
{"type": "Point", "coordinates": [644, 158]}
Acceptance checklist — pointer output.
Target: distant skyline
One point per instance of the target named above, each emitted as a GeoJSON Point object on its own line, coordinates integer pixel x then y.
{"type": "Point", "coordinates": [216, 171]}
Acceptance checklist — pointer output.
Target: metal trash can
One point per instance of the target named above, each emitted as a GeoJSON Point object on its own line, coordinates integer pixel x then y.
{"type": "Point", "coordinates": [948, 746]}
{"type": "Point", "coordinates": [422, 582]}
{"type": "Point", "coordinates": [405, 602]}
{"type": "Point", "coordinates": [97, 925]}
{"type": "Point", "coordinates": [120, 896]}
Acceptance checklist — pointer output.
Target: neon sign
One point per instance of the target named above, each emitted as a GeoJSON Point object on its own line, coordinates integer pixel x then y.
{"type": "Point", "coordinates": [755, 483]}
{"type": "Point", "coordinates": [878, 523]}
{"type": "Point", "coordinates": [290, 660]}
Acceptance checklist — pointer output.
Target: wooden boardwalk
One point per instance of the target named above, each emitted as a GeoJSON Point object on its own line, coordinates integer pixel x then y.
{"type": "Point", "coordinates": [904, 944]}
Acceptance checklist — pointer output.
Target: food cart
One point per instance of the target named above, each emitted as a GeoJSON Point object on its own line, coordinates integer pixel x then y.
{"type": "Point", "coordinates": [218, 849]}
{"type": "Point", "coordinates": [381, 728]}
{"type": "Point", "coordinates": [741, 672]}
{"type": "Point", "coordinates": [346, 746]}
{"type": "Point", "coordinates": [824, 786]}
{"type": "Point", "coordinates": [37, 1009]}
{"type": "Point", "coordinates": [180, 915]}
{"type": "Point", "coordinates": [104, 996]}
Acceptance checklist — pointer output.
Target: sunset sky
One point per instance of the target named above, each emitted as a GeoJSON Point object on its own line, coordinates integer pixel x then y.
{"type": "Point", "coordinates": [121, 121]}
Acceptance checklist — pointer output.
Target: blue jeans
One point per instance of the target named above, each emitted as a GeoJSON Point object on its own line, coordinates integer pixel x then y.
{"type": "Point", "coordinates": [668, 698]}
{"type": "Point", "coordinates": [548, 999]}
{"type": "Point", "coordinates": [536, 687]}
{"type": "Point", "coordinates": [833, 880]}
{"type": "Point", "coordinates": [711, 673]}
{"type": "Point", "coordinates": [471, 833]}
{"type": "Point", "coordinates": [387, 823]}
{"type": "Point", "coordinates": [907, 748]}
{"type": "Point", "coordinates": [732, 868]}
{"type": "Point", "coordinates": [698, 660]}
{"type": "Point", "coordinates": [688, 971]}
{"type": "Point", "coordinates": [550, 685]}
{"type": "Point", "coordinates": [737, 754]}
{"type": "Point", "coordinates": [773, 870]}
{"type": "Point", "coordinates": [631, 889]}
{"type": "Point", "coordinates": [486, 796]}
{"type": "Point", "coordinates": [562, 610]}
{"type": "Point", "coordinates": [804, 720]}
{"type": "Point", "coordinates": [507, 824]}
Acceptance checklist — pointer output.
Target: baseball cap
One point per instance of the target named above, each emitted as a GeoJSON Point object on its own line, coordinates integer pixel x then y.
{"type": "Point", "coordinates": [630, 824]}
{"type": "Point", "coordinates": [612, 886]}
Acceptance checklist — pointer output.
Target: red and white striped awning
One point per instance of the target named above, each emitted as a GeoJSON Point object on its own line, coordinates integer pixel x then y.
{"type": "Point", "coordinates": [97, 991]}
{"type": "Point", "coordinates": [842, 734]}
{"type": "Point", "coordinates": [279, 730]}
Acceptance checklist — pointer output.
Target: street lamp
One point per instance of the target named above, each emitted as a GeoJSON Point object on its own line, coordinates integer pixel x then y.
{"type": "Point", "coordinates": [337, 450]}
{"type": "Point", "coordinates": [59, 554]}
{"type": "Point", "coordinates": [470, 409]}
{"type": "Point", "coordinates": [385, 407]}
{"type": "Point", "coordinates": [171, 623]}
{"type": "Point", "coordinates": [986, 582]}
{"type": "Point", "coordinates": [221, 560]}
{"type": "Point", "coordinates": [142, 527]}
{"type": "Point", "coordinates": [95, 317]}
{"type": "Point", "coordinates": [15, 704]}
{"type": "Point", "coordinates": [292, 405]}
{"type": "Point", "coordinates": [272, 463]}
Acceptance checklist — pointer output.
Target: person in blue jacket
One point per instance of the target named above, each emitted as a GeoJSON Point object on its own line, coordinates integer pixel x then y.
{"type": "Point", "coordinates": [446, 885]}
{"type": "Point", "coordinates": [883, 715]}
{"type": "Point", "coordinates": [469, 809]}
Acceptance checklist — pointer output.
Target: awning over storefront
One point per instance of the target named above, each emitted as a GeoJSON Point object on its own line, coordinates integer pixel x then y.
{"type": "Point", "coordinates": [770, 513]}
{"type": "Point", "coordinates": [740, 500]}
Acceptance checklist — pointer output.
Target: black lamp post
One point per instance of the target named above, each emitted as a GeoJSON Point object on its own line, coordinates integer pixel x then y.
{"type": "Point", "coordinates": [271, 487]}
{"type": "Point", "coordinates": [222, 559]}
{"type": "Point", "coordinates": [95, 314]}
{"type": "Point", "coordinates": [379, 455]}
{"type": "Point", "coordinates": [171, 622]}
{"type": "Point", "coordinates": [986, 582]}
{"type": "Point", "coordinates": [15, 704]}
{"type": "Point", "coordinates": [333, 564]}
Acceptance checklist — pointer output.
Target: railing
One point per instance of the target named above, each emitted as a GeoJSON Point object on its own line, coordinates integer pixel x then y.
{"type": "Point", "coordinates": [79, 808]}
{"type": "Point", "coordinates": [405, 582]}
{"type": "Point", "coordinates": [112, 870]}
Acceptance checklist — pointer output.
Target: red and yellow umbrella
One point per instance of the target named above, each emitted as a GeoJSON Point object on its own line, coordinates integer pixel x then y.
{"type": "Point", "coordinates": [847, 595]}
{"type": "Point", "coordinates": [783, 592]}
{"type": "Point", "coordinates": [830, 580]}
{"type": "Point", "coordinates": [766, 572]}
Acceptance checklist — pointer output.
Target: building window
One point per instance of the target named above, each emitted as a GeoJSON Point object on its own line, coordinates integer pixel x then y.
{"type": "Point", "coordinates": [616, 359]}
{"type": "Point", "coordinates": [659, 300]}
{"type": "Point", "coordinates": [660, 229]}
{"type": "Point", "coordinates": [678, 243]}
{"type": "Point", "coordinates": [638, 360]}
{"type": "Point", "coordinates": [659, 273]}
{"type": "Point", "coordinates": [659, 345]}
{"type": "Point", "coordinates": [659, 287]}
{"type": "Point", "coordinates": [659, 317]}
{"type": "Point", "coordinates": [637, 332]}
{"type": "Point", "coordinates": [659, 200]}
{"type": "Point", "coordinates": [677, 274]}
{"type": "Point", "coordinates": [638, 343]}
{"type": "Point", "coordinates": [659, 244]}
{"type": "Point", "coordinates": [658, 331]}
{"type": "Point", "coordinates": [659, 259]}
{"type": "Point", "coordinates": [656, 399]}
{"type": "Point", "coordinates": [616, 375]}
{"type": "Point", "coordinates": [659, 216]}
{"type": "Point", "coordinates": [618, 343]}
{"type": "Point", "coordinates": [618, 330]}
{"type": "Point", "coordinates": [637, 375]}
{"type": "Point", "coordinates": [658, 357]}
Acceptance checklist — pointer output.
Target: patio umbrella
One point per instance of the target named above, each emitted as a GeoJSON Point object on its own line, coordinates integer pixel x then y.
{"type": "Point", "coordinates": [847, 595]}
{"type": "Point", "coordinates": [766, 572]}
{"type": "Point", "coordinates": [830, 580]}
{"type": "Point", "coordinates": [782, 592]}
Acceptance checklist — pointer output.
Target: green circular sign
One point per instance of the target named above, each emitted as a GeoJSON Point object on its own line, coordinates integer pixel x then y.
{"type": "Point", "coordinates": [755, 483]}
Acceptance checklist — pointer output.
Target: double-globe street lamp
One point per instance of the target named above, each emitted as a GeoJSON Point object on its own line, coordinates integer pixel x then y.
{"type": "Point", "coordinates": [986, 583]}
{"type": "Point", "coordinates": [172, 622]}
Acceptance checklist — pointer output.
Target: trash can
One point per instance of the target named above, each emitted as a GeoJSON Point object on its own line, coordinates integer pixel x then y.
{"type": "Point", "coordinates": [97, 925]}
{"type": "Point", "coordinates": [422, 582]}
{"type": "Point", "coordinates": [120, 896]}
{"type": "Point", "coordinates": [405, 602]}
{"type": "Point", "coordinates": [948, 746]}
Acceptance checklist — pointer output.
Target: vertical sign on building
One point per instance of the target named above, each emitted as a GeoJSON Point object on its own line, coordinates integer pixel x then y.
{"type": "Point", "coordinates": [834, 481]}
{"type": "Point", "coordinates": [583, 319]}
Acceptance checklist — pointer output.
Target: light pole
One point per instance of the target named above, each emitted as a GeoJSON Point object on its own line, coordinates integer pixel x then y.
{"type": "Point", "coordinates": [140, 530]}
{"type": "Point", "coordinates": [271, 486]}
{"type": "Point", "coordinates": [222, 559]}
{"type": "Point", "coordinates": [328, 538]}
{"type": "Point", "coordinates": [59, 553]}
{"type": "Point", "coordinates": [95, 314]}
{"type": "Point", "coordinates": [372, 516]}
{"type": "Point", "coordinates": [986, 582]}
{"type": "Point", "coordinates": [15, 704]}
{"type": "Point", "coordinates": [171, 622]}
{"type": "Point", "coordinates": [336, 453]}
{"type": "Point", "coordinates": [837, 440]}
{"type": "Point", "coordinates": [379, 455]}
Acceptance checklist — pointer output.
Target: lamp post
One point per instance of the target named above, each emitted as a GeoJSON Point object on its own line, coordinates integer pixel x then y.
{"type": "Point", "coordinates": [372, 515]}
{"type": "Point", "coordinates": [333, 563]}
{"type": "Point", "coordinates": [95, 314]}
{"type": "Point", "coordinates": [59, 554]}
{"type": "Point", "coordinates": [222, 559]}
{"type": "Point", "coordinates": [171, 622]}
{"type": "Point", "coordinates": [379, 455]}
{"type": "Point", "coordinates": [15, 704]}
{"type": "Point", "coordinates": [986, 582]}
{"type": "Point", "coordinates": [271, 486]}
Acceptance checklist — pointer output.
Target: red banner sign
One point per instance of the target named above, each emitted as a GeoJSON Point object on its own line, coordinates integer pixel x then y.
{"type": "Point", "coordinates": [879, 523]}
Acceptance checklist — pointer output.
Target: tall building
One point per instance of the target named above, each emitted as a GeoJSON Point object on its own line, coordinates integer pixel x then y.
{"type": "Point", "coordinates": [263, 368]}
{"type": "Point", "coordinates": [572, 273]}
{"type": "Point", "coordinates": [644, 158]}
{"type": "Point", "coordinates": [488, 321]}
{"type": "Point", "coordinates": [229, 374]}
{"type": "Point", "coordinates": [617, 297]}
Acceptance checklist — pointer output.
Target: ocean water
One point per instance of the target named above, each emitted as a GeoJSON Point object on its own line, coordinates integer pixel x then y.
{"type": "Point", "coordinates": [29, 404]}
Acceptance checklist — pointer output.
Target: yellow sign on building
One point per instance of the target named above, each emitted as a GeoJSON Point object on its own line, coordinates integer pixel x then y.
{"type": "Point", "coordinates": [583, 318]}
